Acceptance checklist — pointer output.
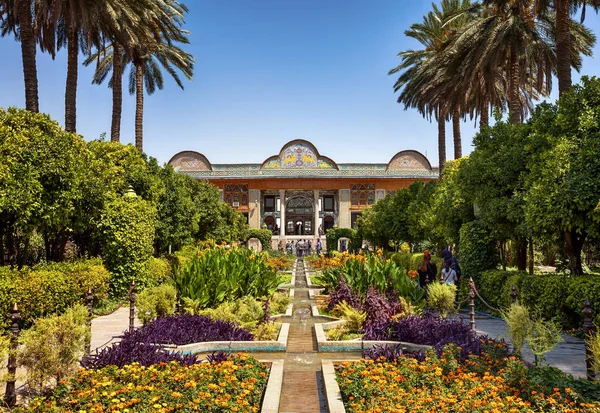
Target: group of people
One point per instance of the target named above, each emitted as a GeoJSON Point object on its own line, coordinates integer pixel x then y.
{"type": "Point", "coordinates": [450, 273]}
{"type": "Point", "coordinates": [302, 247]}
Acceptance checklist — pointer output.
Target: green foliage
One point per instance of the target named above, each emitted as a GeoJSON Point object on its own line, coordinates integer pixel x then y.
{"type": "Point", "coordinates": [441, 297]}
{"type": "Point", "coordinates": [355, 319]}
{"type": "Point", "coordinates": [563, 189]}
{"type": "Point", "coordinates": [127, 228]}
{"type": "Point", "coordinates": [477, 249]}
{"type": "Point", "coordinates": [216, 275]}
{"type": "Point", "coordinates": [159, 270]}
{"type": "Point", "coordinates": [412, 261]}
{"type": "Point", "coordinates": [263, 235]}
{"type": "Point", "coordinates": [51, 289]}
{"type": "Point", "coordinates": [278, 303]}
{"type": "Point", "coordinates": [543, 337]}
{"type": "Point", "coordinates": [156, 302]}
{"type": "Point", "coordinates": [334, 234]}
{"type": "Point", "coordinates": [519, 325]}
{"type": "Point", "coordinates": [593, 342]}
{"type": "Point", "coordinates": [52, 348]}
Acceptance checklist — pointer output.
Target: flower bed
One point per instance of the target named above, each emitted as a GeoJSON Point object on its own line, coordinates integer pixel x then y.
{"type": "Point", "coordinates": [235, 385]}
{"type": "Point", "coordinates": [482, 384]}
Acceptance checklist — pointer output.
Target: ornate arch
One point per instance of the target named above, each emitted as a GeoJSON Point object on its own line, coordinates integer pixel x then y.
{"type": "Point", "coordinates": [409, 159]}
{"type": "Point", "coordinates": [299, 153]}
{"type": "Point", "coordinates": [190, 161]}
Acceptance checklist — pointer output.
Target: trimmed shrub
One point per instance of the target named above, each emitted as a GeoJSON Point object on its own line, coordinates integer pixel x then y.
{"type": "Point", "coordinates": [50, 289]}
{"type": "Point", "coordinates": [127, 233]}
{"type": "Point", "coordinates": [263, 235]}
{"type": "Point", "coordinates": [441, 297]}
{"type": "Point", "coordinates": [556, 297]}
{"type": "Point", "coordinates": [334, 234]}
{"type": "Point", "coordinates": [159, 270]}
{"type": "Point", "coordinates": [478, 250]}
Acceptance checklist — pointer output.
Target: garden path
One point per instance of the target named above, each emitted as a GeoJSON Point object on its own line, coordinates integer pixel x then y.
{"type": "Point", "coordinates": [303, 389]}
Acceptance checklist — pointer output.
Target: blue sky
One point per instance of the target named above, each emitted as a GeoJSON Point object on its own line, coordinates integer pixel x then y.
{"type": "Point", "coordinates": [267, 72]}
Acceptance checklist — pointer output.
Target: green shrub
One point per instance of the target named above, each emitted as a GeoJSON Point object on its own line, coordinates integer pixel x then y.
{"type": "Point", "coordinates": [247, 312]}
{"type": "Point", "coordinates": [412, 261]}
{"type": "Point", "coordinates": [478, 250]}
{"type": "Point", "coordinates": [441, 297]}
{"type": "Point", "coordinates": [50, 289]}
{"type": "Point", "coordinates": [355, 319]}
{"type": "Point", "coordinates": [127, 233]}
{"type": "Point", "coordinates": [263, 235]}
{"type": "Point", "coordinates": [334, 234]}
{"type": "Point", "coordinates": [156, 302]}
{"type": "Point", "coordinates": [159, 270]}
{"type": "Point", "coordinates": [518, 323]}
{"type": "Point", "coordinates": [52, 348]}
{"type": "Point", "coordinates": [278, 303]}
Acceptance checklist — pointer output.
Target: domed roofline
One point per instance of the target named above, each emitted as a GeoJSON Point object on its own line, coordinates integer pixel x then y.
{"type": "Point", "coordinates": [192, 154]}
{"type": "Point", "coordinates": [302, 141]}
{"type": "Point", "coordinates": [416, 154]}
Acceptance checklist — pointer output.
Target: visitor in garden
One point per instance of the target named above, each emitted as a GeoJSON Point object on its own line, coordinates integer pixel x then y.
{"type": "Point", "coordinates": [447, 255]}
{"type": "Point", "coordinates": [448, 274]}
{"type": "Point", "coordinates": [427, 270]}
{"type": "Point", "coordinates": [309, 248]}
{"type": "Point", "coordinates": [289, 247]}
{"type": "Point", "coordinates": [319, 247]}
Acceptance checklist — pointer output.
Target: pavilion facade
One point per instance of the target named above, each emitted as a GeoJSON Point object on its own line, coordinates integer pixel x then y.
{"type": "Point", "coordinates": [298, 193]}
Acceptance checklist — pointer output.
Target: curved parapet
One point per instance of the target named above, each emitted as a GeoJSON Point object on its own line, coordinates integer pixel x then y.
{"type": "Point", "coordinates": [409, 160]}
{"type": "Point", "coordinates": [190, 161]}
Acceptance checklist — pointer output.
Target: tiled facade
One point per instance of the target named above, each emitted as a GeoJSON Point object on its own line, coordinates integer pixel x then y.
{"type": "Point", "coordinates": [300, 193]}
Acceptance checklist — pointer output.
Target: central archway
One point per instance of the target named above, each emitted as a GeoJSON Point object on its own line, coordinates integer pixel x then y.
{"type": "Point", "coordinates": [299, 216]}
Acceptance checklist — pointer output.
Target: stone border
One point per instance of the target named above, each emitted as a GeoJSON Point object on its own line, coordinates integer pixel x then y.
{"type": "Point", "coordinates": [237, 346]}
{"type": "Point", "coordinates": [312, 292]}
{"type": "Point", "coordinates": [324, 345]}
{"type": "Point", "coordinates": [272, 395]}
{"type": "Point", "coordinates": [333, 395]}
{"type": "Point", "coordinates": [291, 292]}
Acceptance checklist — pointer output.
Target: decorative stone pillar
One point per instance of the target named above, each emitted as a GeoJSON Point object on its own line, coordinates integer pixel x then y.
{"type": "Point", "coordinates": [282, 227]}
{"type": "Point", "coordinates": [254, 218]}
{"type": "Point", "coordinates": [316, 207]}
{"type": "Point", "coordinates": [345, 218]}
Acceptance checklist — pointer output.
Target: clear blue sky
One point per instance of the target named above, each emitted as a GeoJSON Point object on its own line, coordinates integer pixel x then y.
{"type": "Point", "coordinates": [267, 72]}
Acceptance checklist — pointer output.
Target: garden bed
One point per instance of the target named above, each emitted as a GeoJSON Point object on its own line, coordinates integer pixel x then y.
{"type": "Point", "coordinates": [482, 383]}
{"type": "Point", "coordinates": [325, 345]}
{"type": "Point", "coordinates": [241, 384]}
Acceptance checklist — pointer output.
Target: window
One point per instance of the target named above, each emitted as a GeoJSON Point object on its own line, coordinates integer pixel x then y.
{"type": "Point", "coordinates": [236, 195]}
{"type": "Point", "coordinates": [362, 195]}
{"type": "Point", "coordinates": [353, 217]}
{"type": "Point", "coordinates": [269, 203]}
{"type": "Point", "coordinates": [328, 203]}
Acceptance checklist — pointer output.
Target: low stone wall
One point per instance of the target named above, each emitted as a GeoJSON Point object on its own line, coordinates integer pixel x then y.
{"type": "Point", "coordinates": [325, 345]}
{"type": "Point", "coordinates": [332, 389]}
{"type": "Point", "coordinates": [270, 402]}
{"type": "Point", "coordinates": [241, 346]}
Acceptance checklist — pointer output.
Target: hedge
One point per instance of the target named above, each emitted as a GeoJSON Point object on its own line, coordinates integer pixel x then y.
{"type": "Point", "coordinates": [412, 261]}
{"type": "Point", "coordinates": [50, 289]}
{"type": "Point", "coordinates": [334, 234]}
{"type": "Point", "coordinates": [263, 235]}
{"type": "Point", "coordinates": [551, 296]}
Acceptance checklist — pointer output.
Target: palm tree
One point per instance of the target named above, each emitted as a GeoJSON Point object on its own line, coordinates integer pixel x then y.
{"type": "Point", "coordinates": [16, 17]}
{"type": "Point", "coordinates": [420, 80]}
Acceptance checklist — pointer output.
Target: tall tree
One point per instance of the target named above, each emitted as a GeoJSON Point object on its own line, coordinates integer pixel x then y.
{"type": "Point", "coordinates": [16, 16]}
{"type": "Point", "coordinates": [418, 75]}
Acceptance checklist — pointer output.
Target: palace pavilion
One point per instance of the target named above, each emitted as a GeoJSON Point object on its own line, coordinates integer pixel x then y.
{"type": "Point", "coordinates": [299, 193]}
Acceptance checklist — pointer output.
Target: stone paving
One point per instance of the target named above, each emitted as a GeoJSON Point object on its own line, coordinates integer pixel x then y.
{"type": "Point", "coordinates": [303, 390]}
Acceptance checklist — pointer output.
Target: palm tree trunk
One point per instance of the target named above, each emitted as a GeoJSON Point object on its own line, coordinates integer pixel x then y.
{"type": "Point", "coordinates": [456, 134]}
{"type": "Point", "coordinates": [563, 45]}
{"type": "Point", "coordinates": [139, 105]}
{"type": "Point", "coordinates": [28, 50]}
{"type": "Point", "coordinates": [442, 140]}
{"type": "Point", "coordinates": [71, 89]}
{"type": "Point", "coordinates": [484, 116]}
{"type": "Point", "coordinates": [117, 93]}
{"type": "Point", "coordinates": [514, 104]}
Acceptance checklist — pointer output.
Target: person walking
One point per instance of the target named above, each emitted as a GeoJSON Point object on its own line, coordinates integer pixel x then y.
{"type": "Point", "coordinates": [319, 247]}
{"type": "Point", "coordinates": [448, 275]}
{"type": "Point", "coordinates": [427, 270]}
